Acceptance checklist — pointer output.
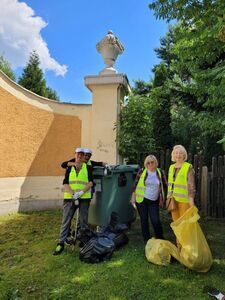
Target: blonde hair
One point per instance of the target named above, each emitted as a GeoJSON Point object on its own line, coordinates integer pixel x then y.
{"type": "Point", "coordinates": [180, 147]}
{"type": "Point", "coordinates": [150, 158]}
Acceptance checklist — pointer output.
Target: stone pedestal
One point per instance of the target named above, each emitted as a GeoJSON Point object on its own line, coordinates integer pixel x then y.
{"type": "Point", "coordinates": [107, 92]}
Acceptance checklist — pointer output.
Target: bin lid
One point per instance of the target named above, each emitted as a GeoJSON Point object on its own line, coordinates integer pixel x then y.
{"type": "Point", "coordinates": [115, 169]}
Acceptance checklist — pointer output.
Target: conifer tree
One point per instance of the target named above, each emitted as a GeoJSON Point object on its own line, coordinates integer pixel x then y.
{"type": "Point", "coordinates": [32, 77]}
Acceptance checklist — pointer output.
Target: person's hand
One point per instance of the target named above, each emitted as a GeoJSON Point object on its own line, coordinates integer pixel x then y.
{"type": "Point", "coordinates": [133, 202]}
{"type": "Point", "coordinates": [77, 195]}
{"type": "Point", "coordinates": [161, 203]}
{"type": "Point", "coordinates": [70, 164]}
{"type": "Point", "coordinates": [107, 166]}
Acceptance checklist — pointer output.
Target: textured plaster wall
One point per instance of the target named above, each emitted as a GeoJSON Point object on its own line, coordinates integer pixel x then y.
{"type": "Point", "coordinates": [34, 141]}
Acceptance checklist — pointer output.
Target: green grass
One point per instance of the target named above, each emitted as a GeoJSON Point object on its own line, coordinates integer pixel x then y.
{"type": "Point", "coordinates": [28, 270]}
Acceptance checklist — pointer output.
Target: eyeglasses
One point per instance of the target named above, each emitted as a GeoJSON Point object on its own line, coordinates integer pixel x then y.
{"type": "Point", "coordinates": [150, 163]}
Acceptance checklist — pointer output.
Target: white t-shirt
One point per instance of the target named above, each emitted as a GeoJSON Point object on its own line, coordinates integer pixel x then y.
{"type": "Point", "coordinates": [152, 186]}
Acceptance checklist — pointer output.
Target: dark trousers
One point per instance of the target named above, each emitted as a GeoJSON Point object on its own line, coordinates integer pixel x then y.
{"type": "Point", "coordinates": [148, 208]}
{"type": "Point", "coordinates": [69, 209]}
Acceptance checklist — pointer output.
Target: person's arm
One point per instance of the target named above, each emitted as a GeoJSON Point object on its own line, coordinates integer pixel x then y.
{"type": "Point", "coordinates": [163, 189]}
{"type": "Point", "coordinates": [165, 182]}
{"type": "Point", "coordinates": [98, 163]}
{"type": "Point", "coordinates": [133, 200]}
{"type": "Point", "coordinates": [90, 180]}
{"type": "Point", "coordinates": [137, 179]}
{"type": "Point", "coordinates": [133, 196]}
{"type": "Point", "coordinates": [191, 185]}
{"type": "Point", "coordinates": [68, 163]}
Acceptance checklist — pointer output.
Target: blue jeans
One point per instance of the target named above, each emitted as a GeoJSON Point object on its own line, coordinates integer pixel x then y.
{"type": "Point", "coordinates": [148, 208]}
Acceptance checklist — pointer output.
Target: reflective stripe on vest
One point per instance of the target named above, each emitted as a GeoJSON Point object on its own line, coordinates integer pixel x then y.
{"type": "Point", "coordinates": [180, 187]}
{"type": "Point", "coordinates": [140, 188]}
{"type": "Point", "coordinates": [78, 182]}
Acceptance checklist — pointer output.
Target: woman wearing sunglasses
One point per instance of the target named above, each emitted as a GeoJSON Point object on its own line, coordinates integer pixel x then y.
{"type": "Point", "coordinates": [148, 194]}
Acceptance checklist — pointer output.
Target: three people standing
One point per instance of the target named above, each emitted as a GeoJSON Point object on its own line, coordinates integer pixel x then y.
{"type": "Point", "coordinates": [148, 193]}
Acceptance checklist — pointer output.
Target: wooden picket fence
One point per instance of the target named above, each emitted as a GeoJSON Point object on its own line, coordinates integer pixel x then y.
{"type": "Point", "coordinates": [210, 181]}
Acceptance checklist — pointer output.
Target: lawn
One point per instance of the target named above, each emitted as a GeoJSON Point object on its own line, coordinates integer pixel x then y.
{"type": "Point", "coordinates": [29, 270]}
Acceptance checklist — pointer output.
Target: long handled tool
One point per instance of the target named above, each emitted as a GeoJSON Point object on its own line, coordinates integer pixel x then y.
{"type": "Point", "coordinates": [76, 228]}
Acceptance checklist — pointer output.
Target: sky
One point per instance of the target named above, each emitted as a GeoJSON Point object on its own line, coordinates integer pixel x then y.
{"type": "Point", "coordinates": [64, 33]}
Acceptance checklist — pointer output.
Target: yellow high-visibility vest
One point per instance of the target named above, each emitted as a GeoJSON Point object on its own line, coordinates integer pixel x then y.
{"type": "Point", "coordinates": [180, 185]}
{"type": "Point", "coordinates": [78, 182]}
{"type": "Point", "coordinates": [140, 188]}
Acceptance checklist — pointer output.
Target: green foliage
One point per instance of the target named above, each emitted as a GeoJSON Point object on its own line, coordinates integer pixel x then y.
{"type": "Point", "coordinates": [222, 141]}
{"type": "Point", "coordinates": [161, 116]}
{"type": "Point", "coordinates": [51, 94]}
{"type": "Point", "coordinates": [197, 68]}
{"type": "Point", "coordinates": [164, 52]}
{"type": "Point", "coordinates": [33, 80]}
{"type": "Point", "coordinates": [141, 87]}
{"type": "Point", "coordinates": [32, 77]}
{"type": "Point", "coordinates": [30, 271]}
{"type": "Point", "coordinates": [6, 68]}
{"type": "Point", "coordinates": [135, 129]}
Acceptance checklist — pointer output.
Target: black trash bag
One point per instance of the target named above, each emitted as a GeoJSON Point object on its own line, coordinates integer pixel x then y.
{"type": "Point", "coordinates": [98, 249]}
{"type": "Point", "coordinates": [119, 238]}
{"type": "Point", "coordinates": [113, 219]}
{"type": "Point", "coordinates": [85, 234]}
{"type": "Point", "coordinates": [115, 231]}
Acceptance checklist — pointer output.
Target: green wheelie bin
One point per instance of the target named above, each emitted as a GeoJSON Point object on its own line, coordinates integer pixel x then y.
{"type": "Point", "coordinates": [113, 189]}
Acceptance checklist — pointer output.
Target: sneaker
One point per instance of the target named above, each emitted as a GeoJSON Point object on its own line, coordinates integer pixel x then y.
{"type": "Point", "coordinates": [69, 240]}
{"type": "Point", "coordinates": [59, 249]}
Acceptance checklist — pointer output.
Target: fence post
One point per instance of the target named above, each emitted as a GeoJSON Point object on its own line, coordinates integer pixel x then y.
{"type": "Point", "coordinates": [220, 188]}
{"type": "Point", "coordinates": [213, 192]}
{"type": "Point", "coordinates": [204, 190]}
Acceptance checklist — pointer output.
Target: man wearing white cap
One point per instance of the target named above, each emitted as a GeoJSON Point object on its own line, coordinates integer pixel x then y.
{"type": "Point", "coordinates": [91, 163]}
{"type": "Point", "coordinates": [77, 186]}
{"type": "Point", "coordinates": [87, 157]}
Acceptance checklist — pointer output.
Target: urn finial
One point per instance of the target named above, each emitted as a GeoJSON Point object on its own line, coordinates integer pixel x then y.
{"type": "Point", "coordinates": [109, 47]}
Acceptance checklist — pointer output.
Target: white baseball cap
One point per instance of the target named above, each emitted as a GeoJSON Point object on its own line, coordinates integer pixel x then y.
{"type": "Point", "coordinates": [77, 150]}
{"type": "Point", "coordinates": [86, 150]}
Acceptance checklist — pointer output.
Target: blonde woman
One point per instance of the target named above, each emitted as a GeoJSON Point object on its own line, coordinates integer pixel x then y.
{"type": "Point", "coordinates": [148, 194]}
{"type": "Point", "coordinates": [181, 182]}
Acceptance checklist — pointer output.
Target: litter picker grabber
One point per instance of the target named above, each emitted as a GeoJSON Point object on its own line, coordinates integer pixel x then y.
{"type": "Point", "coordinates": [76, 228]}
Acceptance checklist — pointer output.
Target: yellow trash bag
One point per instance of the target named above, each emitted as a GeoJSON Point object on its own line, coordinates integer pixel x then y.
{"type": "Point", "coordinates": [159, 251]}
{"type": "Point", "coordinates": [195, 253]}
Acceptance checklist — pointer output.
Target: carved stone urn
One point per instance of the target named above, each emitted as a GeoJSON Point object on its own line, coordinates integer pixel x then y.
{"type": "Point", "coordinates": [109, 47]}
